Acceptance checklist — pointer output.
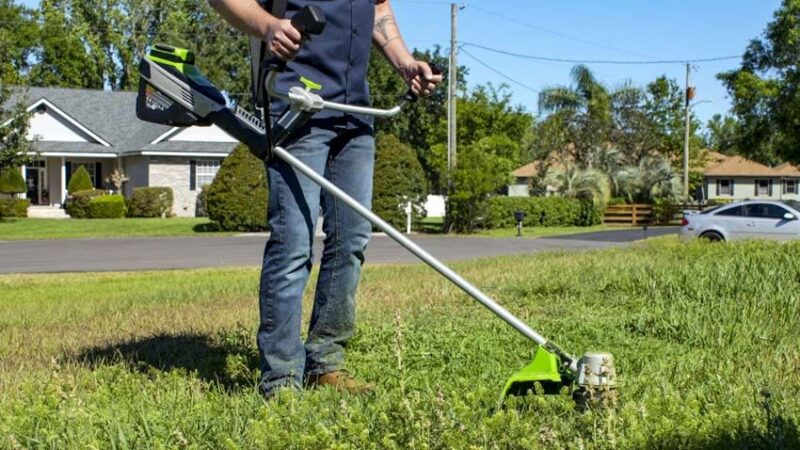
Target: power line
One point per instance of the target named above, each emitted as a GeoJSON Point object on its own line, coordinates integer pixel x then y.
{"type": "Point", "coordinates": [599, 61]}
{"type": "Point", "coordinates": [518, 83]}
{"type": "Point", "coordinates": [554, 33]}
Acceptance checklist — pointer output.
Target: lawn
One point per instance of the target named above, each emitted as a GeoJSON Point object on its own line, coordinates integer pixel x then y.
{"type": "Point", "coordinates": [17, 229]}
{"type": "Point", "coordinates": [168, 359]}
{"type": "Point", "coordinates": [434, 225]}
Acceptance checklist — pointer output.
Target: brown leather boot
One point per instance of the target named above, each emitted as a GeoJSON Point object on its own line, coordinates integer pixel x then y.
{"type": "Point", "coordinates": [340, 380]}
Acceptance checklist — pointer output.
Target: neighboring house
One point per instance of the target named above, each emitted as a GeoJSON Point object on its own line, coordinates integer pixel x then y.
{"type": "Point", "coordinates": [523, 176]}
{"type": "Point", "coordinates": [737, 178]}
{"type": "Point", "coordinates": [100, 131]}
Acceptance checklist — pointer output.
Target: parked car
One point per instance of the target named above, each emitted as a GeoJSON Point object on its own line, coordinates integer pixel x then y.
{"type": "Point", "coordinates": [750, 219]}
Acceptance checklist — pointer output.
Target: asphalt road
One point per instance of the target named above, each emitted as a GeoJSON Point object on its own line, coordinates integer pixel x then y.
{"type": "Point", "coordinates": [92, 255]}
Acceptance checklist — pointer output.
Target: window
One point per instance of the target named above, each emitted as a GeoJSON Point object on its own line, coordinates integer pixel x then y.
{"type": "Point", "coordinates": [89, 168]}
{"type": "Point", "coordinates": [725, 187]}
{"type": "Point", "coordinates": [790, 186]}
{"type": "Point", "coordinates": [763, 187]}
{"type": "Point", "coordinates": [734, 211]}
{"type": "Point", "coordinates": [205, 172]}
{"type": "Point", "coordinates": [765, 211]}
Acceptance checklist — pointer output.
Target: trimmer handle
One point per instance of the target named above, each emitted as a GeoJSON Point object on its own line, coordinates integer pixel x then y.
{"type": "Point", "coordinates": [410, 96]}
{"type": "Point", "coordinates": [308, 21]}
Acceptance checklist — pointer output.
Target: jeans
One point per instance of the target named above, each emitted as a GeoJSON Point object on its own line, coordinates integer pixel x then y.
{"type": "Point", "coordinates": [346, 158]}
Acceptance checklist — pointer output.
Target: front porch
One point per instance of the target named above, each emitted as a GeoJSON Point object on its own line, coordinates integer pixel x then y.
{"type": "Point", "coordinates": [48, 177]}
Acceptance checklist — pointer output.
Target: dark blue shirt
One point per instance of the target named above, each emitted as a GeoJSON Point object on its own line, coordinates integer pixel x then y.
{"type": "Point", "coordinates": [337, 59]}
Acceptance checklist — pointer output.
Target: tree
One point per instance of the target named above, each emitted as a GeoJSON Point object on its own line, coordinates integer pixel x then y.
{"type": "Point", "coordinates": [765, 90]}
{"type": "Point", "coordinates": [480, 173]}
{"type": "Point", "coordinates": [572, 181]}
{"type": "Point", "coordinates": [584, 109]}
{"type": "Point", "coordinates": [16, 149]}
{"type": "Point", "coordinates": [398, 179]}
{"type": "Point", "coordinates": [11, 181]}
{"type": "Point", "coordinates": [721, 134]}
{"type": "Point", "coordinates": [18, 37]}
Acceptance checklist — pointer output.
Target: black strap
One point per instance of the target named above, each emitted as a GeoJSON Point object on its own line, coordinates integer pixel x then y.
{"type": "Point", "coordinates": [277, 8]}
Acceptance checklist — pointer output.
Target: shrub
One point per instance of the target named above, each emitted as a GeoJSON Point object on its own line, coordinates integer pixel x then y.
{"type": "Point", "coordinates": [78, 203]}
{"type": "Point", "coordinates": [542, 211]}
{"type": "Point", "coordinates": [11, 181]}
{"type": "Point", "coordinates": [80, 181]}
{"type": "Point", "coordinates": [107, 207]}
{"type": "Point", "coordinates": [237, 198]}
{"type": "Point", "coordinates": [399, 178]}
{"type": "Point", "coordinates": [150, 202]}
{"type": "Point", "coordinates": [14, 207]}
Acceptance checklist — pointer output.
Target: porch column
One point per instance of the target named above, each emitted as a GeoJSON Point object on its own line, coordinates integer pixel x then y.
{"type": "Point", "coordinates": [25, 178]}
{"type": "Point", "coordinates": [63, 181]}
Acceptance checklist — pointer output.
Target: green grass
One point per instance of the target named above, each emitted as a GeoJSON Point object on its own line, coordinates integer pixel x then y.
{"type": "Point", "coordinates": [18, 229]}
{"type": "Point", "coordinates": [168, 359]}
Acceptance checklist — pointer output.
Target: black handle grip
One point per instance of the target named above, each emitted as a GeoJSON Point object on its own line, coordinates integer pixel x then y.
{"type": "Point", "coordinates": [410, 96]}
{"type": "Point", "coordinates": [308, 21]}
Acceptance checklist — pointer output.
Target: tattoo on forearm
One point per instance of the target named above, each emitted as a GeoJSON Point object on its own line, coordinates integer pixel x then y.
{"type": "Point", "coordinates": [382, 27]}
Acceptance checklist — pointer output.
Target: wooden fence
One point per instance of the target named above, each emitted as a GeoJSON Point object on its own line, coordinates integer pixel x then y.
{"type": "Point", "coordinates": [644, 214]}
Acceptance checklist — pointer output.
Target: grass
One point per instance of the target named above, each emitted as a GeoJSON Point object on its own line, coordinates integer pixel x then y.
{"type": "Point", "coordinates": [18, 229]}
{"type": "Point", "coordinates": [168, 359]}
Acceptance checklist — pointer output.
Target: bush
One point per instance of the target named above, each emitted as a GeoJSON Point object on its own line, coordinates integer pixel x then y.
{"type": "Point", "coordinates": [14, 207]}
{"type": "Point", "coordinates": [78, 203]}
{"type": "Point", "coordinates": [107, 207]}
{"type": "Point", "coordinates": [237, 198]}
{"type": "Point", "coordinates": [399, 178]}
{"type": "Point", "coordinates": [542, 212]}
{"type": "Point", "coordinates": [151, 202]}
{"type": "Point", "coordinates": [12, 182]}
{"type": "Point", "coordinates": [80, 181]}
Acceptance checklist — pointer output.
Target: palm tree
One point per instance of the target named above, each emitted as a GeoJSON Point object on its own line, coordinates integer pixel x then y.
{"type": "Point", "coordinates": [586, 108]}
{"type": "Point", "coordinates": [580, 183]}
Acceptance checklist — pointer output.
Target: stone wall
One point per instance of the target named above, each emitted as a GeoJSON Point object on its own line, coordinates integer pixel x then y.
{"type": "Point", "coordinates": [174, 173]}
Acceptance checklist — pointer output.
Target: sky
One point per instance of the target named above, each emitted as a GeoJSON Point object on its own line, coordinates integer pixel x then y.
{"type": "Point", "coordinates": [626, 30]}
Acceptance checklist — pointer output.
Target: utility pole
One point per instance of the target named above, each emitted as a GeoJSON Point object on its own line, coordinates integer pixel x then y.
{"type": "Point", "coordinates": [452, 81]}
{"type": "Point", "coordinates": [689, 96]}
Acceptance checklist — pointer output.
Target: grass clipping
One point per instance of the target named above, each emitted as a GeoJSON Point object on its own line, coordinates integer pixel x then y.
{"type": "Point", "coordinates": [705, 339]}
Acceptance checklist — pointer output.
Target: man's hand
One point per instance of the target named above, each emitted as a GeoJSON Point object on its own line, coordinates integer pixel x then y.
{"type": "Point", "coordinates": [282, 38]}
{"type": "Point", "coordinates": [420, 78]}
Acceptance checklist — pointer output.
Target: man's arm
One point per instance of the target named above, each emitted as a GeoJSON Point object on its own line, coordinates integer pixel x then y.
{"type": "Point", "coordinates": [283, 40]}
{"type": "Point", "coordinates": [387, 38]}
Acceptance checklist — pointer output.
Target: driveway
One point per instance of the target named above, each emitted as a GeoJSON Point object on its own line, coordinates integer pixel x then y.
{"type": "Point", "coordinates": [93, 255]}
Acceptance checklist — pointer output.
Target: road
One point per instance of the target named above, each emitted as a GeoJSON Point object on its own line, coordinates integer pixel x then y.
{"type": "Point", "coordinates": [94, 255]}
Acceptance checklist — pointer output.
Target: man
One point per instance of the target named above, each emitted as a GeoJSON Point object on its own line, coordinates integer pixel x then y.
{"type": "Point", "coordinates": [342, 148]}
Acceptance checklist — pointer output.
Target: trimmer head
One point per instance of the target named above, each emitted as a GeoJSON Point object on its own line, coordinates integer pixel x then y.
{"type": "Point", "coordinates": [592, 381]}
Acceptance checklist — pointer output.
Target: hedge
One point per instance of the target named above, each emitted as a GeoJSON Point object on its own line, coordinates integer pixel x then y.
{"type": "Point", "coordinates": [237, 198]}
{"type": "Point", "coordinates": [14, 207]}
{"type": "Point", "coordinates": [107, 207]}
{"type": "Point", "coordinates": [542, 212]}
{"type": "Point", "coordinates": [11, 181]}
{"type": "Point", "coordinates": [78, 203]}
{"type": "Point", "coordinates": [151, 202]}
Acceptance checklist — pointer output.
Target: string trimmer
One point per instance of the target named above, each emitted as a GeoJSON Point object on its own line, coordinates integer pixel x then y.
{"type": "Point", "coordinates": [172, 91]}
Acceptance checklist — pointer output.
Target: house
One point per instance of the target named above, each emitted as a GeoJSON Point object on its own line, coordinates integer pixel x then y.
{"type": "Point", "coordinates": [738, 178]}
{"type": "Point", "coordinates": [99, 130]}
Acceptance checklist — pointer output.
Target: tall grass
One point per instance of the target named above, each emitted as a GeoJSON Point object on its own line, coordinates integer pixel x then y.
{"type": "Point", "coordinates": [167, 359]}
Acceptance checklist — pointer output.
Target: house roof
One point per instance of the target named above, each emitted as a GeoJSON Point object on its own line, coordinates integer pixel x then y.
{"type": "Point", "coordinates": [111, 115]}
{"type": "Point", "coordinates": [531, 169]}
{"type": "Point", "coordinates": [739, 166]}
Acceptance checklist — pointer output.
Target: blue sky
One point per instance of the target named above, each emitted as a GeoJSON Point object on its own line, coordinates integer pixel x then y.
{"type": "Point", "coordinates": [591, 29]}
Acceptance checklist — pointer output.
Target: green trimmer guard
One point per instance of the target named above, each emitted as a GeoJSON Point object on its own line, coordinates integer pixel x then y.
{"type": "Point", "coordinates": [543, 370]}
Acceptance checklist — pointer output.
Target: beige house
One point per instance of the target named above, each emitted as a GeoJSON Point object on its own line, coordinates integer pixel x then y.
{"type": "Point", "coordinates": [738, 178]}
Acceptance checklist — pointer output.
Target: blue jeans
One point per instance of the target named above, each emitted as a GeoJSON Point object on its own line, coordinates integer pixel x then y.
{"type": "Point", "coordinates": [346, 158]}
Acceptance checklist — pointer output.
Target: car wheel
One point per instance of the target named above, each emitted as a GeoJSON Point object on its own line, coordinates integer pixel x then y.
{"type": "Point", "coordinates": [712, 236]}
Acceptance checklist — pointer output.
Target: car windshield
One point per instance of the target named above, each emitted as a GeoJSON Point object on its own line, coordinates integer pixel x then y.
{"type": "Point", "coordinates": [794, 204]}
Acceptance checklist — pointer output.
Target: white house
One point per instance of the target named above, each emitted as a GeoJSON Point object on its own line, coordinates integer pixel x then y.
{"type": "Point", "coordinates": [100, 131]}
{"type": "Point", "coordinates": [737, 178]}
